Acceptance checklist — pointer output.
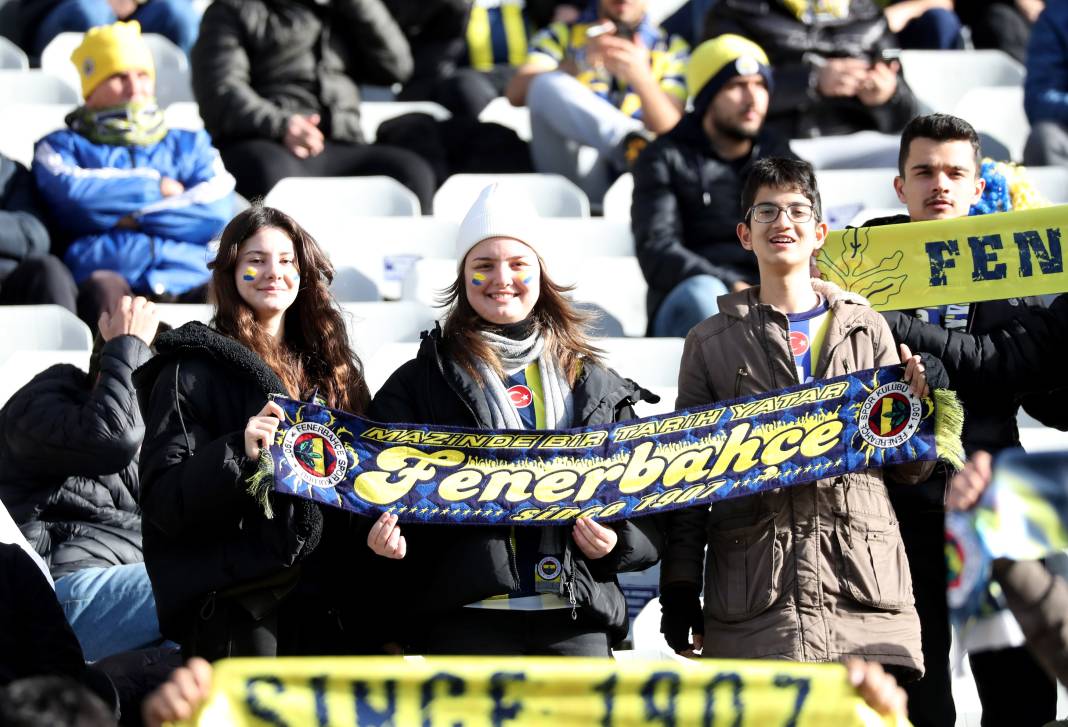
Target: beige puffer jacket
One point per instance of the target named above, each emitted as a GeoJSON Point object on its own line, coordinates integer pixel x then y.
{"type": "Point", "coordinates": [816, 572]}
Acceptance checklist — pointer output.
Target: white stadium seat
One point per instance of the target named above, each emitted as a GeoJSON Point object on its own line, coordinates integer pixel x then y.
{"type": "Point", "coordinates": [308, 198]}
{"type": "Point", "coordinates": [997, 111]}
{"type": "Point", "coordinates": [847, 193]}
{"type": "Point", "coordinates": [34, 87]}
{"type": "Point", "coordinates": [11, 56]}
{"type": "Point", "coordinates": [41, 328]}
{"type": "Point", "coordinates": [381, 364]}
{"type": "Point", "coordinates": [940, 78]}
{"type": "Point", "coordinates": [552, 194]}
{"type": "Point", "coordinates": [374, 325]}
{"type": "Point", "coordinates": [617, 199]}
{"type": "Point", "coordinates": [501, 111]}
{"type": "Point", "coordinates": [184, 115]}
{"type": "Point", "coordinates": [1051, 182]}
{"type": "Point", "coordinates": [21, 366]}
{"type": "Point", "coordinates": [24, 124]}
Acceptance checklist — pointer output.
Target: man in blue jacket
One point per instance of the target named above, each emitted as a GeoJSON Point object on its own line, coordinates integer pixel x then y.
{"type": "Point", "coordinates": [1046, 88]}
{"type": "Point", "coordinates": [135, 203]}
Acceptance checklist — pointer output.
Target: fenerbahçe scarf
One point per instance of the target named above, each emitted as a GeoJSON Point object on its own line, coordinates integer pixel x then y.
{"type": "Point", "coordinates": [941, 262]}
{"type": "Point", "coordinates": [426, 473]}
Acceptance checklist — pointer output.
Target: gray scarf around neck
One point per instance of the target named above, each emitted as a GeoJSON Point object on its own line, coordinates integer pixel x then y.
{"type": "Point", "coordinates": [514, 356]}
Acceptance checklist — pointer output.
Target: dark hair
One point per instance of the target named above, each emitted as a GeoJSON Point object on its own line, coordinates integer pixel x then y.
{"type": "Point", "coordinates": [315, 350]}
{"type": "Point", "coordinates": [781, 173]}
{"type": "Point", "coordinates": [564, 327]}
{"type": "Point", "coordinates": [54, 701]}
{"type": "Point", "coordinates": [937, 127]}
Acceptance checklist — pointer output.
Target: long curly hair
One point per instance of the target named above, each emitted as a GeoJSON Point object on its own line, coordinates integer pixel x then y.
{"type": "Point", "coordinates": [315, 351]}
{"type": "Point", "coordinates": [564, 327]}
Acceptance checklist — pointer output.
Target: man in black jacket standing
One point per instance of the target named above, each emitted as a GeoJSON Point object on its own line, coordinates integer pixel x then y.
{"type": "Point", "coordinates": [68, 475]}
{"type": "Point", "coordinates": [688, 182]}
{"type": "Point", "coordinates": [939, 178]}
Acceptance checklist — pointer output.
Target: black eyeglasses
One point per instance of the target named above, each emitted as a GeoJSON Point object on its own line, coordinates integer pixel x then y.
{"type": "Point", "coordinates": [766, 212]}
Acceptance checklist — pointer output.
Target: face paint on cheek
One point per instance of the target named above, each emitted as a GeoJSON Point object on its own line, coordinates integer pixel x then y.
{"type": "Point", "coordinates": [294, 278]}
{"type": "Point", "coordinates": [478, 279]}
{"type": "Point", "coordinates": [250, 274]}
{"type": "Point", "coordinates": [524, 278]}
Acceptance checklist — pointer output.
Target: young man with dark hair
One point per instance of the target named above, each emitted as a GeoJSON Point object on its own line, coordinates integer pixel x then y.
{"type": "Point", "coordinates": [939, 179]}
{"type": "Point", "coordinates": [822, 602]}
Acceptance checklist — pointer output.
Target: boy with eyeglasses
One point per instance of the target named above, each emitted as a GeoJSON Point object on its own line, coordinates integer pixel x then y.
{"type": "Point", "coordinates": [814, 572]}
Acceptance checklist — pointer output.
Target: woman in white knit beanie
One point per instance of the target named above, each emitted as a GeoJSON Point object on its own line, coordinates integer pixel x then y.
{"type": "Point", "coordinates": [514, 353]}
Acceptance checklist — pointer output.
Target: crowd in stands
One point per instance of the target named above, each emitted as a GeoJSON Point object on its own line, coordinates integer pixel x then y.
{"type": "Point", "coordinates": [116, 481]}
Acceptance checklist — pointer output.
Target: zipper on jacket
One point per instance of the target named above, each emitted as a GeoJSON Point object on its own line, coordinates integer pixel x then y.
{"type": "Point", "coordinates": [512, 559]}
{"type": "Point", "coordinates": [570, 586]}
{"type": "Point", "coordinates": [207, 609]}
{"type": "Point", "coordinates": [743, 373]}
{"type": "Point", "coordinates": [849, 333]}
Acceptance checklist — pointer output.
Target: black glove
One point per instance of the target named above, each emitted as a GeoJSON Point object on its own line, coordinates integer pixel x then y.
{"type": "Point", "coordinates": [937, 378]}
{"type": "Point", "coordinates": [680, 608]}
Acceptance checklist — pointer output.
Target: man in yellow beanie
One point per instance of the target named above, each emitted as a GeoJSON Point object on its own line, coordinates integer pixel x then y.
{"type": "Point", "coordinates": [688, 182]}
{"type": "Point", "coordinates": [134, 203]}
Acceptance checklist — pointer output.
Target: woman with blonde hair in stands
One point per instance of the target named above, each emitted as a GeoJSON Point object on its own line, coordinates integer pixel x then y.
{"type": "Point", "coordinates": [513, 354]}
{"type": "Point", "coordinates": [224, 572]}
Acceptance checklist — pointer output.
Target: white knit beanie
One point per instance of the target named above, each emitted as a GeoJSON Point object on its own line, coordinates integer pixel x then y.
{"type": "Point", "coordinates": [498, 212]}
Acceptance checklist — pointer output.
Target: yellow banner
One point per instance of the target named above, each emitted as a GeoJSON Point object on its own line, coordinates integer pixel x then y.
{"type": "Point", "coordinates": [448, 691]}
{"type": "Point", "coordinates": [970, 259]}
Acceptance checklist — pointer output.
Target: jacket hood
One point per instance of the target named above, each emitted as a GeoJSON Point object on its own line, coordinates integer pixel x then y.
{"type": "Point", "coordinates": [195, 338]}
{"type": "Point", "coordinates": [595, 386]}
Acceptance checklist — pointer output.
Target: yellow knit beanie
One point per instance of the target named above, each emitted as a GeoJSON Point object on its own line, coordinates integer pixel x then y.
{"type": "Point", "coordinates": [110, 49]}
{"type": "Point", "coordinates": [716, 61]}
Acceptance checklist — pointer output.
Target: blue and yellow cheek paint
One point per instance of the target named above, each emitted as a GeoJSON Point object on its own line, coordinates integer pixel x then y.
{"type": "Point", "coordinates": [478, 279]}
{"type": "Point", "coordinates": [250, 274]}
{"type": "Point", "coordinates": [524, 278]}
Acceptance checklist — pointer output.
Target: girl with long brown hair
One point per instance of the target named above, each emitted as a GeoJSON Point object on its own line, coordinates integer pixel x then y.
{"type": "Point", "coordinates": [225, 574]}
{"type": "Point", "coordinates": [513, 354]}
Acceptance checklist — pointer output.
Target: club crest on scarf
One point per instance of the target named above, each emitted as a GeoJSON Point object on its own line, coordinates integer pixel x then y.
{"type": "Point", "coordinates": [890, 415]}
{"type": "Point", "coordinates": [312, 453]}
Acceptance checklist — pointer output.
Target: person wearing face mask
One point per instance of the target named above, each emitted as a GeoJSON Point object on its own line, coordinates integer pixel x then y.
{"type": "Point", "coordinates": [939, 179]}
{"type": "Point", "coordinates": [513, 353]}
{"type": "Point", "coordinates": [229, 579]}
{"type": "Point", "coordinates": [135, 203]}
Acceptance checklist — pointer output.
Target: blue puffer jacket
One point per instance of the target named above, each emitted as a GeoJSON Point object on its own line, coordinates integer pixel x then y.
{"type": "Point", "coordinates": [89, 187]}
{"type": "Point", "coordinates": [1046, 86]}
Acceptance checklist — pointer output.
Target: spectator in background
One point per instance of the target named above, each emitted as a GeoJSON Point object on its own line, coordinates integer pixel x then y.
{"type": "Point", "coordinates": [466, 52]}
{"type": "Point", "coordinates": [28, 274]}
{"type": "Point", "coordinates": [68, 475]}
{"type": "Point", "coordinates": [607, 81]}
{"type": "Point", "coordinates": [1046, 88]}
{"type": "Point", "coordinates": [1001, 24]}
{"type": "Point", "coordinates": [276, 81]}
{"type": "Point", "coordinates": [835, 67]}
{"type": "Point", "coordinates": [43, 20]}
{"type": "Point", "coordinates": [938, 178]}
{"type": "Point", "coordinates": [923, 24]}
{"type": "Point", "coordinates": [136, 203]}
{"type": "Point", "coordinates": [687, 185]}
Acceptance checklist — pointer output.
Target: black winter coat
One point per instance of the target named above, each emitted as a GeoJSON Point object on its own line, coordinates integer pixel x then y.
{"type": "Point", "coordinates": [685, 210]}
{"type": "Point", "coordinates": [205, 537]}
{"type": "Point", "coordinates": [455, 566]}
{"type": "Point", "coordinates": [68, 467]}
{"type": "Point", "coordinates": [258, 62]}
{"type": "Point", "coordinates": [795, 48]}
{"type": "Point", "coordinates": [22, 234]}
{"type": "Point", "coordinates": [1025, 356]}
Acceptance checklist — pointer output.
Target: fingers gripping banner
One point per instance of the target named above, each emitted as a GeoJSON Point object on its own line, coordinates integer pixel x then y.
{"type": "Point", "coordinates": [940, 262]}
{"type": "Point", "coordinates": [443, 474]}
{"type": "Point", "coordinates": [513, 692]}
